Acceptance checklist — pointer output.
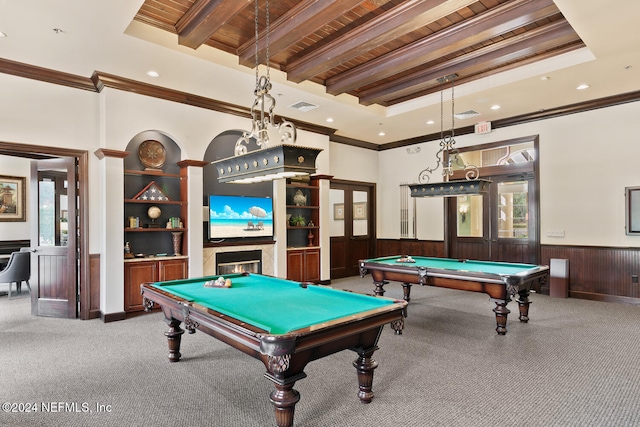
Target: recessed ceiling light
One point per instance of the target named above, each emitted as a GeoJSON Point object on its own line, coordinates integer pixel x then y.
{"type": "Point", "coordinates": [153, 73]}
{"type": "Point", "coordinates": [583, 86]}
{"type": "Point", "coordinates": [544, 78]}
{"type": "Point", "coordinates": [430, 122]}
{"type": "Point", "coordinates": [329, 120]}
{"type": "Point", "coordinates": [495, 107]}
{"type": "Point", "coordinates": [2, 35]}
{"type": "Point", "coordinates": [58, 30]}
{"type": "Point", "coordinates": [381, 134]}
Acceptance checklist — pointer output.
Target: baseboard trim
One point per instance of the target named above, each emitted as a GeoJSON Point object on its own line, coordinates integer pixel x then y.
{"type": "Point", "coordinates": [112, 317]}
{"type": "Point", "coordinates": [604, 298]}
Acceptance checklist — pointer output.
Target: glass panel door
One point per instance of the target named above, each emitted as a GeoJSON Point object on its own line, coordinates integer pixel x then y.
{"type": "Point", "coordinates": [470, 216]}
{"type": "Point", "coordinates": [360, 214]}
{"type": "Point", "coordinates": [336, 200]}
{"type": "Point", "coordinates": [513, 210]}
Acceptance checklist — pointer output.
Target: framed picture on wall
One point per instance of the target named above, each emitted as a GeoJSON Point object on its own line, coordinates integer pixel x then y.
{"type": "Point", "coordinates": [338, 211]}
{"type": "Point", "coordinates": [360, 210]}
{"type": "Point", "coordinates": [12, 198]}
{"type": "Point", "coordinates": [632, 211]}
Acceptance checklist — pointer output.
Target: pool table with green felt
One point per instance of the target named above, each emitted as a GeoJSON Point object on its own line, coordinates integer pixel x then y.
{"type": "Point", "coordinates": [284, 324]}
{"type": "Point", "coordinates": [500, 280]}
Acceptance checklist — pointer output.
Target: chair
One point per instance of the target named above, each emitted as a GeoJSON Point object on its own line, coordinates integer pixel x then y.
{"type": "Point", "coordinates": [18, 270]}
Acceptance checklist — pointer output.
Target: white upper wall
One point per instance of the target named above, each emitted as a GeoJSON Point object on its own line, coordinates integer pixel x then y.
{"type": "Point", "coordinates": [586, 161]}
{"type": "Point", "coordinates": [582, 177]}
{"type": "Point", "coordinates": [16, 167]}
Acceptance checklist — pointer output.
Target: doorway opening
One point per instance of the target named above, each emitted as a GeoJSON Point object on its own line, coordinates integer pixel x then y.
{"type": "Point", "coordinates": [78, 288]}
{"type": "Point", "coordinates": [352, 226]}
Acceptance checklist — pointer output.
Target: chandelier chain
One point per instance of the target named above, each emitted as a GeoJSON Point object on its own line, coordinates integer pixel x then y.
{"type": "Point", "coordinates": [453, 109]}
{"type": "Point", "coordinates": [441, 111]}
{"type": "Point", "coordinates": [267, 47]}
{"type": "Point", "coordinates": [256, 39]}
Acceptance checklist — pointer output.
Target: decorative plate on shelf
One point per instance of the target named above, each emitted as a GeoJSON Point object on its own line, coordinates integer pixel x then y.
{"type": "Point", "coordinates": [152, 154]}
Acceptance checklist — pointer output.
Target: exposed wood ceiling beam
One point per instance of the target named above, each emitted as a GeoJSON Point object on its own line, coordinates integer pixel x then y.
{"type": "Point", "coordinates": [400, 20]}
{"type": "Point", "coordinates": [494, 22]}
{"type": "Point", "coordinates": [304, 19]}
{"type": "Point", "coordinates": [492, 72]}
{"type": "Point", "coordinates": [199, 23]}
{"type": "Point", "coordinates": [538, 40]}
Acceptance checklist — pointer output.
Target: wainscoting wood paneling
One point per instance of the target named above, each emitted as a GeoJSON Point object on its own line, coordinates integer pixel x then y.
{"type": "Point", "coordinates": [470, 249]}
{"type": "Point", "coordinates": [599, 273]}
{"type": "Point", "coordinates": [389, 247]}
{"type": "Point", "coordinates": [94, 287]}
{"type": "Point", "coordinates": [515, 252]}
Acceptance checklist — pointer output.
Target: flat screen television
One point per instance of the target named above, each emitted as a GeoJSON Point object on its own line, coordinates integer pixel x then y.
{"type": "Point", "coordinates": [240, 216]}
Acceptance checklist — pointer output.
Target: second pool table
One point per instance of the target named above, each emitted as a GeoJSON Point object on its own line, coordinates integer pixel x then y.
{"type": "Point", "coordinates": [500, 280]}
{"type": "Point", "coordinates": [282, 323]}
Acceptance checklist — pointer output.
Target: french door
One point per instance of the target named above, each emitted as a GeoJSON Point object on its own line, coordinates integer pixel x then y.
{"type": "Point", "coordinates": [352, 226]}
{"type": "Point", "coordinates": [499, 226]}
{"type": "Point", "coordinates": [54, 238]}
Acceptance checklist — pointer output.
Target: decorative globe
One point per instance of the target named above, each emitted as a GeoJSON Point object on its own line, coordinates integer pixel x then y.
{"type": "Point", "coordinates": [154, 212]}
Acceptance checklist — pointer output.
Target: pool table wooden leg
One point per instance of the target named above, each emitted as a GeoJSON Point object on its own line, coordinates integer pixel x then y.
{"type": "Point", "coordinates": [379, 289]}
{"type": "Point", "coordinates": [174, 335]}
{"type": "Point", "coordinates": [365, 365]}
{"type": "Point", "coordinates": [284, 398]}
{"type": "Point", "coordinates": [406, 290]}
{"type": "Point", "coordinates": [501, 312]}
{"type": "Point", "coordinates": [523, 305]}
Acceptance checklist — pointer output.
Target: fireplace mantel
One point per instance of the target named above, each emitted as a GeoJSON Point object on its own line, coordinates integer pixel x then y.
{"type": "Point", "coordinates": [210, 253]}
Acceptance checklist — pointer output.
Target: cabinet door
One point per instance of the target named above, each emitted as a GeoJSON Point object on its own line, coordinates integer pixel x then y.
{"type": "Point", "coordinates": [295, 266]}
{"type": "Point", "coordinates": [304, 265]}
{"type": "Point", "coordinates": [136, 273]}
{"type": "Point", "coordinates": [312, 265]}
{"type": "Point", "coordinates": [172, 269]}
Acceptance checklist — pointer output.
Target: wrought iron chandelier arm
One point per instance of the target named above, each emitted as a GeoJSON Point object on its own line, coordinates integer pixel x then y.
{"type": "Point", "coordinates": [262, 116]}
{"type": "Point", "coordinates": [447, 143]}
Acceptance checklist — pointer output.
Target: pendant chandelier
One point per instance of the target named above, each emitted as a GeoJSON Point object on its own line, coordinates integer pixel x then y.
{"type": "Point", "coordinates": [472, 184]}
{"type": "Point", "coordinates": [266, 163]}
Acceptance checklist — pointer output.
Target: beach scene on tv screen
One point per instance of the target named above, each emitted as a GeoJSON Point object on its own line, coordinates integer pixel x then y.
{"type": "Point", "coordinates": [236, 216]}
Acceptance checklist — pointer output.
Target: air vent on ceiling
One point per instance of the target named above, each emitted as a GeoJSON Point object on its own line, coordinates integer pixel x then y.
{"type": "Point", "coordinates": [466, 114]}
{"type": "Point", "coordinates": [303, 106]}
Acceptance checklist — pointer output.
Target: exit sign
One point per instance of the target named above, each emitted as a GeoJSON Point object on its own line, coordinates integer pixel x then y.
{"type": "Point", "coordinates": [483, 127]}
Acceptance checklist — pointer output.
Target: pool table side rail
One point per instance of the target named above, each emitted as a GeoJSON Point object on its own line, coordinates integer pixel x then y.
{"type": "Point", "coordinates": [391, 305]}
{"type": "Point", "coordinates": [424, 272]}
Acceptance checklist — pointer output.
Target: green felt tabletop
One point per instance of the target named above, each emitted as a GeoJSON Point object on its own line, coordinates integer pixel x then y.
{"type": "Point", "coordinates": [275, 305]}
{"type": "Point", "coordinates": [487, 267]}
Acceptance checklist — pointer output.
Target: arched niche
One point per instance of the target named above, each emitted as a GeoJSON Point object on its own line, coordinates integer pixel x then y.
{"type": "Point", "coordinates": [173, 152]}
{"type": "Point", "coordinates": [221, 147]}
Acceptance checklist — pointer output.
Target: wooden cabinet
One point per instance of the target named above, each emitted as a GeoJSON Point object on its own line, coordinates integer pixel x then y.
{"type": "Point", "coordinates": [303, 240]}
{"type": "Point", "coordinates": [303, 265]}
{"type": "Point", "coordinates": [149, 270]}
{"type": "Point", "coordinates": [155, 215]}
{"type": "Point", "coordinates": [167, 193]}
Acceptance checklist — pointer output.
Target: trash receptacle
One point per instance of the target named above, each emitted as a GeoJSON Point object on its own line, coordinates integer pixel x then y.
{"type": "Point", "coordinates": [559, 278]}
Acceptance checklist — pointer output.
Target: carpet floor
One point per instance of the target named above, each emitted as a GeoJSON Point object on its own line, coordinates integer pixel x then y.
{"type": "Point", "coordinates": [575, 363]}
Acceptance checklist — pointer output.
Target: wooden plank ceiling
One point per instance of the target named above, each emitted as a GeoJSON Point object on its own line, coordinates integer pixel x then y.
{"type": "Point", "coordinates": [381, 51]}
